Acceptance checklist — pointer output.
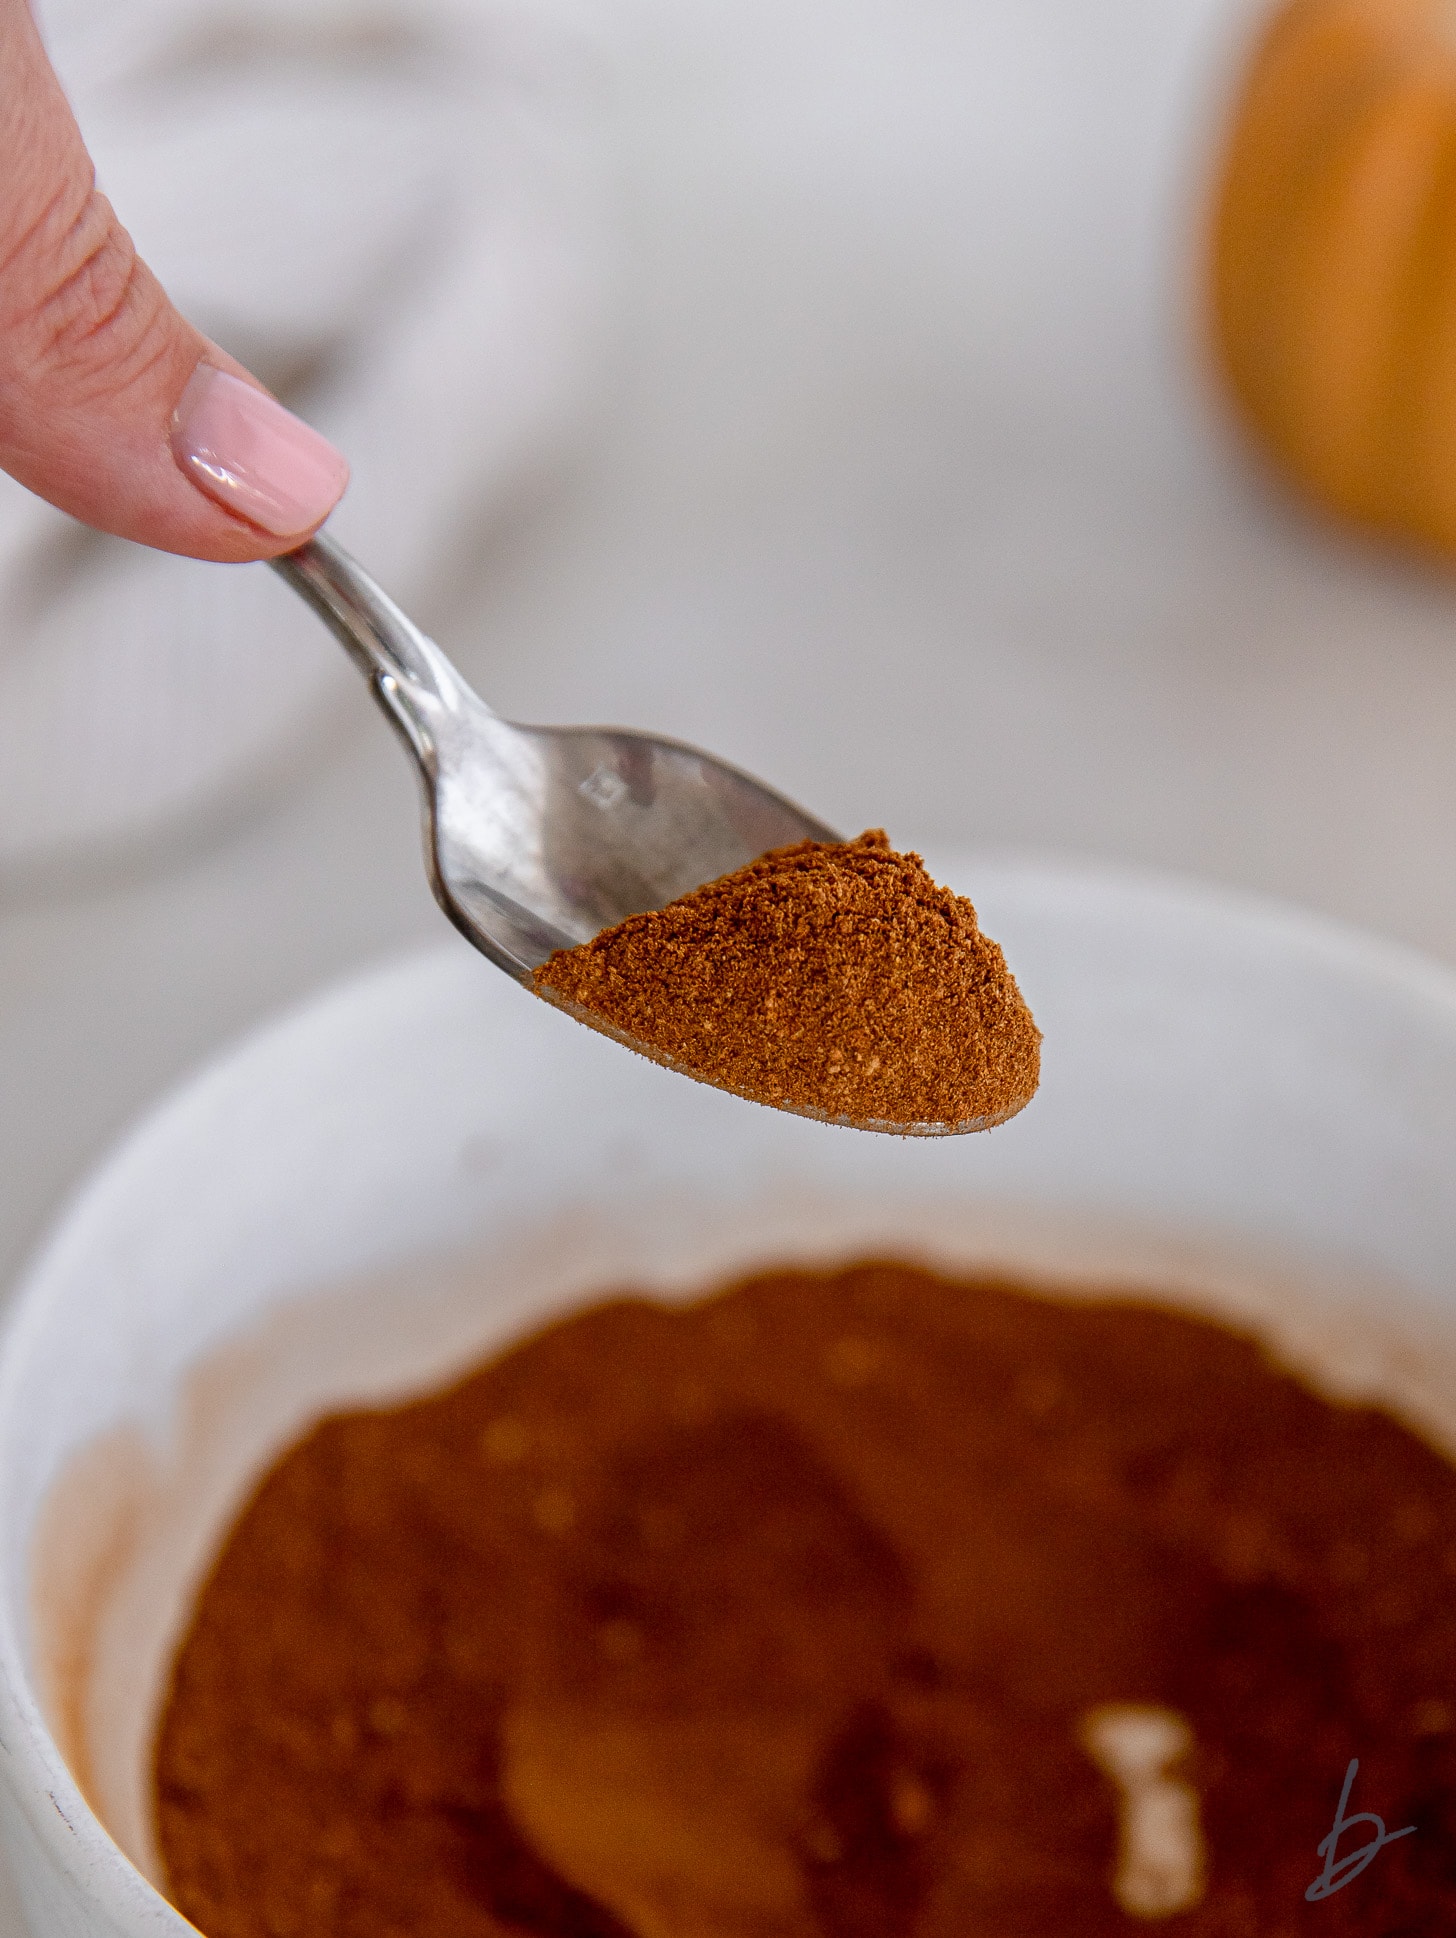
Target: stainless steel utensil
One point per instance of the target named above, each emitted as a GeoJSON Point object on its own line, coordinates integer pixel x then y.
{"type": "Point", "coordinates": [538, 838]}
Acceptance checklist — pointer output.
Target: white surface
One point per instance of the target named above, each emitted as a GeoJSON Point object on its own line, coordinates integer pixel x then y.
{"type": "Point", "coordinates": [1243, 1107]}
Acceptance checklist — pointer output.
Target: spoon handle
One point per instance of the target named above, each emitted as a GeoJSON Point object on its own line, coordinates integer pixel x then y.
{"type": "Point", "coordinates": [382, 641]}
{"type": "Point", "coordinates": [410, 677]}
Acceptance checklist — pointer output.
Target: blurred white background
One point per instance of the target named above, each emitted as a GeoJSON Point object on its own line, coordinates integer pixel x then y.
{"type": "Point", "coordinates": [893, 474]}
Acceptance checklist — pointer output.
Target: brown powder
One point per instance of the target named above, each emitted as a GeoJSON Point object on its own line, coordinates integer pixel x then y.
{"type": "Point", "coordinates": [797, 1612]}
{"type": "Point", "coordinates": [835, 979]}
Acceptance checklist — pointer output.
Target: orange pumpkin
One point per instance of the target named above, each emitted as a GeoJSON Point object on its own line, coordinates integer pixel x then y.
{"type": "Point", "coordinates": [1334, 257]}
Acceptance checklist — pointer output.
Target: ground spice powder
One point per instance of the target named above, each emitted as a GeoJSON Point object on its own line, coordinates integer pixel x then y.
{"type": "Point", "coordinates": [781, 1615]}
{"type": "Point", "coordinates": [832, 978]}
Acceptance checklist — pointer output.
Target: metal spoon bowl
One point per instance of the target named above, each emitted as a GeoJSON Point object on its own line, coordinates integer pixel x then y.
{"type": "Point", "coordinates": [538, 838]}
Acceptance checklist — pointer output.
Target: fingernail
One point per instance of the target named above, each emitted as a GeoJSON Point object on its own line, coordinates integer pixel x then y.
{"type": "Point", "coordinates": [245, 450]}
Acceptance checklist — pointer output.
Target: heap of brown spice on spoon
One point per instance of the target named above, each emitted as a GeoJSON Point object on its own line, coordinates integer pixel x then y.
{"type": "Point", "coordinates": [835, 979]}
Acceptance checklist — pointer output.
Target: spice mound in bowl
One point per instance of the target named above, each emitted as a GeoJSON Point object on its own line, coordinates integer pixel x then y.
{"type": "Point", "coordinates": [849, 1605]}
{"type": "Point", "coordinates": [831, 978]}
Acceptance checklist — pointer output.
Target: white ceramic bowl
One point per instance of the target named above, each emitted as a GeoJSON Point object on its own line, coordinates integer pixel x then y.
{"type": "Point", "coordinates": [1240, 1104]}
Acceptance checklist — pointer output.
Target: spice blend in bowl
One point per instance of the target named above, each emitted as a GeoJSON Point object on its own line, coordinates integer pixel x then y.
{"type": "Point", "coordinates": [835, 979]}
{"type": "Point", "coordinates": [849, 1605]}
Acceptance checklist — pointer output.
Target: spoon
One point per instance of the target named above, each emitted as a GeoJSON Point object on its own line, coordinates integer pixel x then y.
{"type": "Point", "coordinates": [538, 838]}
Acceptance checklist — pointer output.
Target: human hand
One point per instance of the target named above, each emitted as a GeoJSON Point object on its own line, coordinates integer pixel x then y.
{"type": "Point", "coordinates": [111, 405]}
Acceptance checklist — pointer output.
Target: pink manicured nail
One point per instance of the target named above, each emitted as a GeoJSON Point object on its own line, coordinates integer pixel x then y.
{"type": "Point", "coordinates": [250, 454]}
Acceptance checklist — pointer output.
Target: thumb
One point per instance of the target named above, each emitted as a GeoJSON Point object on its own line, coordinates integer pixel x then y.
{"type": "Point", "coordinates": [111, 405]}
